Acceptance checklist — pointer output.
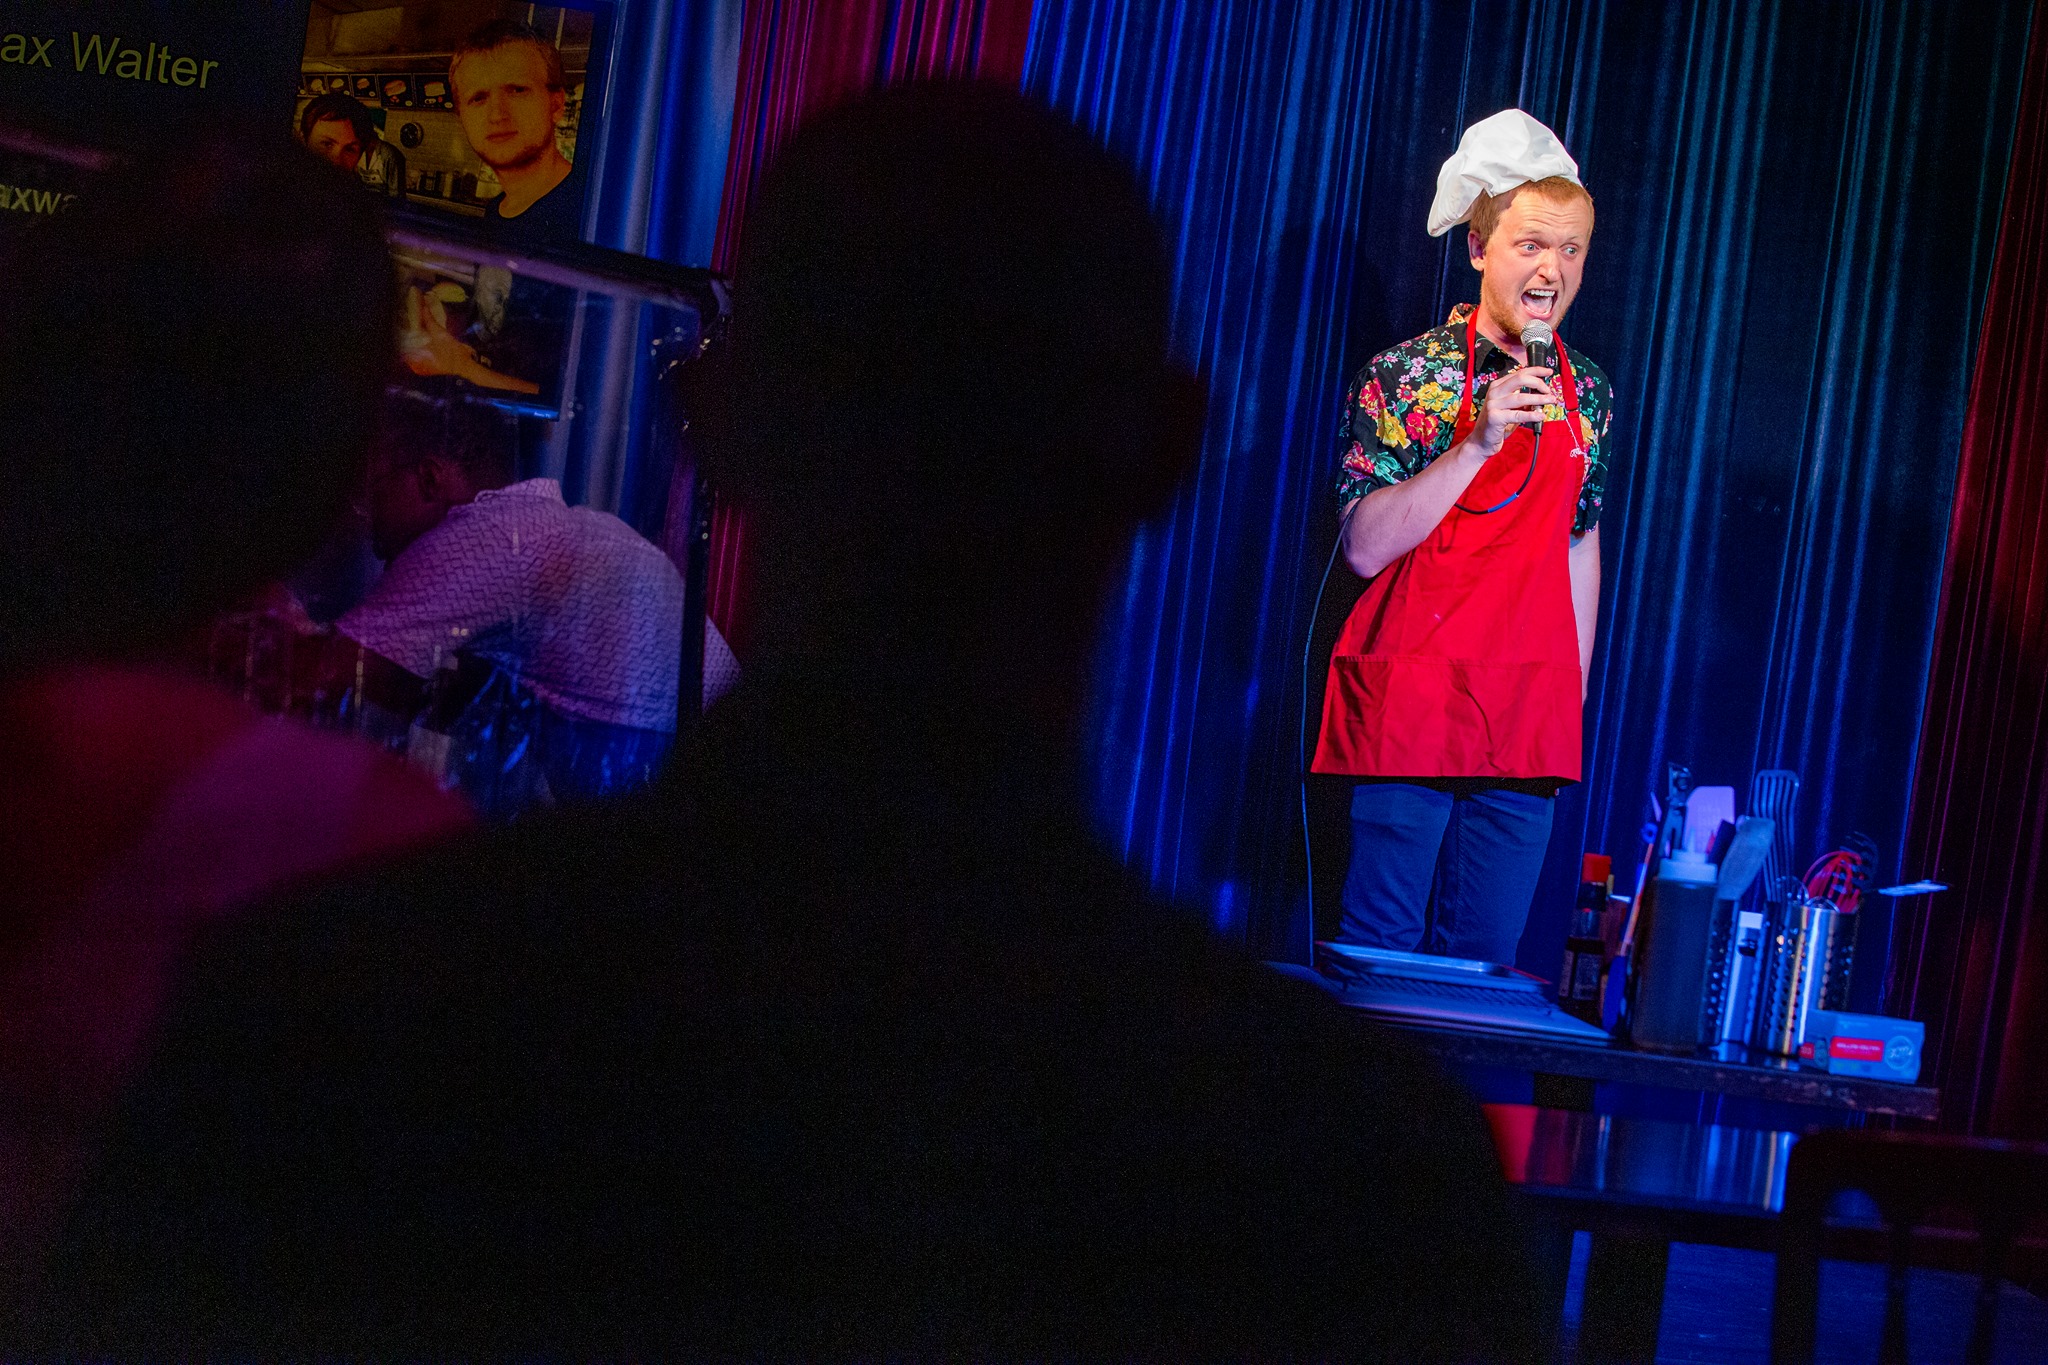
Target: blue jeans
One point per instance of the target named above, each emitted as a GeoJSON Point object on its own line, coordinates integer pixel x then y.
{"type": "Point", "coordinates": [1444, 872]}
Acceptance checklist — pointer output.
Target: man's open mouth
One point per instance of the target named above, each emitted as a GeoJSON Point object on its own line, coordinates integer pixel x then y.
{"type": "Point", "coordinates": [1539, 303]}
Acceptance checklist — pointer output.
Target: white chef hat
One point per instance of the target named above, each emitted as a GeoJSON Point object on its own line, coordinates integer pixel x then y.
{"type": "Point", "coordinates": [1495, 155]}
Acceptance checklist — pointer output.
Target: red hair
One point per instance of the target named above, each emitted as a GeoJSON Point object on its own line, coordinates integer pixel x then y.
{"type": "Point", "coordinates": [1486, 213]}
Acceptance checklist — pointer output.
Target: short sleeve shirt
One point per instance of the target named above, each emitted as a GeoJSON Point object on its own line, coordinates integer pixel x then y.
{"type": "Point", "coordinates": [587, 611]}
{"type": "Point", "coordinates": [556, 216]}
{"type": "Point", "coordinates": [1401, 410]}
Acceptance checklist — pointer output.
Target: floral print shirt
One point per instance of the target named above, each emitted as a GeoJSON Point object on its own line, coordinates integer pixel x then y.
{"type": "Point", "coordinates": [1400, 412]}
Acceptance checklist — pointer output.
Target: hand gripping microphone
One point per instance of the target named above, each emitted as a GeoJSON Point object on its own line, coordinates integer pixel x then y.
{"type": "Point", "coordinates": [1541, 344]}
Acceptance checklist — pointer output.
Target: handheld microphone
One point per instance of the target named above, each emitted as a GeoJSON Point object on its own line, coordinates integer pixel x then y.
{"type": "Point", "coordinates": [1541, 343]}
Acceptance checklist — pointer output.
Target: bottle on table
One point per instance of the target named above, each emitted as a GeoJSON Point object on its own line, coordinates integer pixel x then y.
{"type": "Point", "coordinates": [1667, 1009]}
{"type": "Point", "coordinates": [1585, 948]}
{"type": "Point", "coordinates": [430, 744]}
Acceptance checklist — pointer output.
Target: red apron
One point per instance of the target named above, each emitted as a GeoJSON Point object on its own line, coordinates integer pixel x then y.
{"type": "Point", "coordinates": [1462, 658]}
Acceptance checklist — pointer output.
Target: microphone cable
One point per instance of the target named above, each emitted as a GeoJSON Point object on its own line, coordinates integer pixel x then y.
{"type": "Point", "coordinates": [1542, 341]}
{"type": "Point", "coordinates": [1308, 645]}
{"type": "Point", "coordinates": [1527, 475]}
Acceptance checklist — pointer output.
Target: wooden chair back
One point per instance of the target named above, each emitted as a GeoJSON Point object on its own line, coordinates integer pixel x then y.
{"type": "Point", "coordinates": [1996, 1188]}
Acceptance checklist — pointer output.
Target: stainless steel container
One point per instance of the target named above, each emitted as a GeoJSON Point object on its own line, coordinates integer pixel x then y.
{"type": "Point", "coordinates": [1804, 941]}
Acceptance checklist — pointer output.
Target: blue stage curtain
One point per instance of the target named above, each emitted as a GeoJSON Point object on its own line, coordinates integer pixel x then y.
{"type": "Point", "coordinates": [660, 155]}
{"type": "Point", "coordinates": [668, 127]}
{"type": "Point", "coordinates": [1796, 209]}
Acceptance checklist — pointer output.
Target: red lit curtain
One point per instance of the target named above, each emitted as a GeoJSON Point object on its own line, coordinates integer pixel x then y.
{"type": "Point", "coordinates": [800, 56]}
{"type": "Point", "coordinates": [1972, 963]}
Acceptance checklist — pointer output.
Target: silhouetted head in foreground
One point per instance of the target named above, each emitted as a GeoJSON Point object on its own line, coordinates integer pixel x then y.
{"type": "Point", "coordinates": [189, 369]}
{"type": "Point", "coordinates": [950, 395]}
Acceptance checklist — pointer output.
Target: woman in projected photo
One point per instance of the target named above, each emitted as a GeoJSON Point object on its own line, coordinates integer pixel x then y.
{"type": "Point", "coordinates": [340, 129]}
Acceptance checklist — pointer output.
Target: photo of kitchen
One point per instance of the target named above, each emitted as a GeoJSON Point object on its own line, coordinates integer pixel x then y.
{"type": "Point", "coordinates": [472, 107]}
{"type": "Point", "coordinates": [483, 331]}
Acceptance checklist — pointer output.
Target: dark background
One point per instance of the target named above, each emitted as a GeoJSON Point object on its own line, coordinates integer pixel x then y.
{"type": "Point", "coordinates": [256, 42]}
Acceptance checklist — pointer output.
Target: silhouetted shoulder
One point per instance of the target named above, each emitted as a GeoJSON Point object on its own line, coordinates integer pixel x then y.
{"type": "Point", "coordinates": [565, 1090]}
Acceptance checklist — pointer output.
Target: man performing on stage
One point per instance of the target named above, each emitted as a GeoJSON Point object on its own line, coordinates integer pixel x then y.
{"type": "Point", "coordinates": [1471, 489]}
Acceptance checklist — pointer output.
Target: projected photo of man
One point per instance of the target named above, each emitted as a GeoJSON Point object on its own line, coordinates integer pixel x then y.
{"type": "Point", "coordinates": [511, 94]}
{"type": "Point", "coordinates": [488, 100]}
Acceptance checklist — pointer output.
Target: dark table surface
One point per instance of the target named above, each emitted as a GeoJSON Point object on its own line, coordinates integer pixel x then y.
{"type": "Point", "coordinates": [1651, 1163]}
{"type": "Point", "coordinates": [1733, 1072]}
{"type": "Point", "coordinates": [1635, 1186]}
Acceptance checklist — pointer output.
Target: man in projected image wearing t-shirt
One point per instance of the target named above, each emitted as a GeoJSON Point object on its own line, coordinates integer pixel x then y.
{"type": "Point", "coordinates": [511, 93]}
